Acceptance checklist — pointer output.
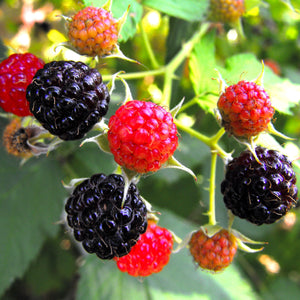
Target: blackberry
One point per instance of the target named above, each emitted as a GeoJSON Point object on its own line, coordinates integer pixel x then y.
{"type": "Point", "coordinates": [100, 222]}
{"type": "Point", "coordinates": [68, 98]}
{"type": "Point", "coordinates": [260, 192]}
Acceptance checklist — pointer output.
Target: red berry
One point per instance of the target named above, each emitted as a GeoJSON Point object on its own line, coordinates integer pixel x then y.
{"type": "Point", "coordinates": [226, 11]}
{"type": "Point", "coordinates": [93, 31]}
{"type": "Point", "coordinates": [213, 253]}
{"type": "Point", "coordinates": [245, 108]}
{"type": "Point", "coordinates": [16, 73]}
{"type": "Point", "coordinates": [150, 254]}
{"type": "Point", "coordinates": [142, 136]}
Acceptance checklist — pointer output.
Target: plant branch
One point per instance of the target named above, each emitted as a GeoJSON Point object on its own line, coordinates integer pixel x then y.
{"type": "Point", "coordinates": [212, 186]}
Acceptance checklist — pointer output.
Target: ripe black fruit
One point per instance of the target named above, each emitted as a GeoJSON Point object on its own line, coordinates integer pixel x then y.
{"type": "Point", "coordinates": [260, 192]}
{"type": "Point", "coordinates": [68, 98]}
{"type": "Point", "coordinates": [100, 221]}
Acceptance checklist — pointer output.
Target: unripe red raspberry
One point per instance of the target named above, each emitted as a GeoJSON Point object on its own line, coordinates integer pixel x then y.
{"type": "Point", "coordinates": [226, 11]}
{"type": "Point", "coordinates": [93, 31]}
{"type": "Point", "coordinates": [142, 136]}
{"type": "Point", "coordinates": [246, 109]}
{"type": "Point", "coordinates": [213, 253]}
{"type": "Point", "coordinates": [150, 254]}
{"type": "Point", "coordinates": [16, 73]}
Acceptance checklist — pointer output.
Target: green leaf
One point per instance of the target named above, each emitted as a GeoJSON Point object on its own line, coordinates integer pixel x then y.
{"type": "Point", "coordinates": [202, 62]}
{"type": "Point", "coordinates": [118, 9]}
{"type": "Point", "coordinates": [178, 280]}
{"type": "Point", "coordinates": [31, 202]}
{"type": "Point", "coordinates": [192, 10]}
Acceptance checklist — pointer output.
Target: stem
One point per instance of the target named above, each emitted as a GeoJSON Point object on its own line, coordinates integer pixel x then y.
{"type": "Point", "coordinates": [212, 186]}
{"type": "Point", "coordinates": [137, 75]}
{"type": "Point", "coordinates": [148, 48]}
{"type": "Point", "coordinates": [188, 104]}
{"type": "Point", "coordinates": [186, 49]}
{"type": "Point", "coordinates": [203, 138]}
{"type": "Point", "coordinates": [211, 142]}
{"type": "Point", "coordinates": [167, 91]}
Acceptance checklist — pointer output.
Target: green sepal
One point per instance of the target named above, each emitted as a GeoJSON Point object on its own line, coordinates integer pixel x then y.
{"type": "Point", "coordinates": [111, 84]}
{"type": "Point", "coordinates": [211, 230]}
{"type": "Point", "coordinates": [174, 163]}
{"type": "Point", "coordinates": [242, 239]}
{"type": "Point", "coordinates": [101, 140]}
{"type": "Point", "coordinates": [107, 5]}
{"type": "Point", "coordinates": [183, 243]}
{"type": "Point", "coordinates": [174, 111]}
{"type": "Point", "coordinates": [272, 130]}
{"type": "Point", "coordinates": [117, 53]}
{"type": "Point", "coordinates": [73, 183]}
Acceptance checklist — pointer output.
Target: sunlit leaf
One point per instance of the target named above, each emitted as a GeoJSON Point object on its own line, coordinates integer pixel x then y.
{"type": "Point", "coordinates": [192, 10]}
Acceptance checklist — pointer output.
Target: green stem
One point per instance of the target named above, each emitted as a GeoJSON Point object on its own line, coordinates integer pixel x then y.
{"type": "Point", "coordinates": [148, 48]}
{"type": "Point", "coordinates": [212, 186]}
{"type": "Point", "coordinates": [137, 75]}
{"type": "Point", "coordinates": [186, 49]}
{"type": "Point", "coordinates": [203, 138]}
{"type": "Point", "coordinates": [188, 104]}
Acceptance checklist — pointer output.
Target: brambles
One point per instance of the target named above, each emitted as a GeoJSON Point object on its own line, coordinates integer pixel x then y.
{"type": "Point", "coordinates": [93, 31]}
{"type": "Point", "coordinates": [99, 218]}
{"type": "Point", "coordinates": [68, 98]}
{"type": "Point", "coordinates": [142, 136]}
{"type": "Point", "coordinates": [150, 254]}
{"type": "Point", "coordinates": [260, 192]}
{"type": "Point", "coordinates": [16, 73]}
{"type": "Point", "coordinates": [198, 141]}
{"type": "Point", "coordinates": [213, 253]}
{"type": "Point", "coordinates": [246, 109]}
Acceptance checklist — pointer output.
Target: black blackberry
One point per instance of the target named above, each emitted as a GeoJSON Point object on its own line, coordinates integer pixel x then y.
{"type": "Point", "coordinates": [261, 193]}
{"type": "Point", "coordinates": [68, 98]}
{"type": "Point", "coordinates": [104, 227]}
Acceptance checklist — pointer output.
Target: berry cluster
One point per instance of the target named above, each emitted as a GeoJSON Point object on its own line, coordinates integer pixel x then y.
{"type": "Point", "coordinates": [68, 98]}
{"type": "Point", "coordinates": [142, 136]}
{"type": "Point", "coordinates": [260, 191]}
{"type": "Point", "coordinates": [226, 11]}
{"type": "Point", "coordinates": [104, 222]}
{"type": "Point", "coordinates": [93, 31]}
{"type": "Point", "coordinates": [106, 213]}
{"type": "Point", "coordinates": [213, 253]}
{"type": "Point", "coordinates": [246, 109]}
